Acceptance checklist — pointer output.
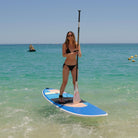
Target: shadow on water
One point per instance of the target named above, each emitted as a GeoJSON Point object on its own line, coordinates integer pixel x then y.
{"type": "Point", "coordinates": [47, 111]}
{"type": "Point", "coordinates": [89, 121]}
{"type": "Point", "coordinates": [55, 115]}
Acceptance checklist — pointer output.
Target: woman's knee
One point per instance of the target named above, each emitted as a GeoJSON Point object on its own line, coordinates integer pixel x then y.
{"type": "Point", "coordinates": [65, 82]}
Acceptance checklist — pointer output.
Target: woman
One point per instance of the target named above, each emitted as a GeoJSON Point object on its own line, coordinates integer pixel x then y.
{"type": "Point", "coordinates": [69, 50]}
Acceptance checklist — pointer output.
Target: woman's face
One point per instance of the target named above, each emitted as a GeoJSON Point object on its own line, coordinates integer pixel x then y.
{"type": "Point", "coordinates": [70, 35]}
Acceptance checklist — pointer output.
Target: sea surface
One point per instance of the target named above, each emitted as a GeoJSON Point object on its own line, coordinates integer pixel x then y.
{"type": "Point", "coordinates": [107, 79]}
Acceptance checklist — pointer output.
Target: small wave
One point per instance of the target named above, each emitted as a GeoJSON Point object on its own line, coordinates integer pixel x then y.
{"type": "Point", "coordinates": [20, 128]}
{"type": "Point", "coordinates": [76, 130]}
{"type": "Point", "coordinates": [25, 121]}
{"type": "Point", "coordinates": [2, 103]}
{"type": "Point", "coordinates": [26, 89]}
{"type": "Point", "coordinates": [11, 112]}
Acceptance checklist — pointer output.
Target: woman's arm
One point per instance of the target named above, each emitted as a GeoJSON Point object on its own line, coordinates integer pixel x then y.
{"type": "Point", "coordinates": [79, 53]}
{"type": "Point", "coordinates": [64, 54]}
{"type": "Point", "coordinates": [78, 49]}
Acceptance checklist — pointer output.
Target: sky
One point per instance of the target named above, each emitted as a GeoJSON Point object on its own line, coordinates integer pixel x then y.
{"type": "Point", "coordinates": [48, 21]}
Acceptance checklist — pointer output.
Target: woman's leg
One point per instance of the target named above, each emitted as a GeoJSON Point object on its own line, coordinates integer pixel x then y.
{"type": "Point", "coordinates": [73, 72]}
{"type": "Point", "coordinates": [65, 80]}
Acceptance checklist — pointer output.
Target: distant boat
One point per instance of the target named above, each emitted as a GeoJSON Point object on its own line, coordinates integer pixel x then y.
{"type": "Point", "coordinates": [31, 48]}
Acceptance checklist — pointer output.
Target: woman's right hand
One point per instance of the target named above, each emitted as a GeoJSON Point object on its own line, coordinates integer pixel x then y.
{"type": "Point", "coordinates": [75, 52]}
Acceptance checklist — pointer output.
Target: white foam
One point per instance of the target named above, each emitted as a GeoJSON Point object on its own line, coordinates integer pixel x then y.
{"type": "Point", "coordinates": [76, 130]}
{"type": "Point", "coordinates": [10, 136]}
{"type": "Point", "coordinates": [25, 121]}
{"type": "Point", "coordinates": [11, 112]}
{"type": "Point", "coordinates": [26, 89]}
{"type": "Point", "coordinates": [28, 130]}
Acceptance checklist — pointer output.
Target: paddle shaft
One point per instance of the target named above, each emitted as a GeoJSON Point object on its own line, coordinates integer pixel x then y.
{"type": "Point", "coordinates": [78, 42]}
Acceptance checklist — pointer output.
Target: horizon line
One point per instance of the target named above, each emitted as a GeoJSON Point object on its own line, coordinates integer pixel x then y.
{"type": "Point", "coordinates": [62, 43]}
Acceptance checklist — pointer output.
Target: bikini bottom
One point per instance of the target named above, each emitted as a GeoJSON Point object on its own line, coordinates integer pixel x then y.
{"type": "Point", "coordinates": [71, 67]}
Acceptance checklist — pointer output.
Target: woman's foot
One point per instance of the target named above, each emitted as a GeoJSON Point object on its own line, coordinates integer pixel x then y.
{"type": "Point", "coordinates": [61, 100]}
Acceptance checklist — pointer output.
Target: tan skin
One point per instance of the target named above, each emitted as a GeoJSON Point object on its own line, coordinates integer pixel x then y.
{"type": "Point", "coordinates": [70, 60]}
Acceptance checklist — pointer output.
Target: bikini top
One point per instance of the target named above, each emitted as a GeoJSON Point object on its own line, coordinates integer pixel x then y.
{"type": "Point", "coordinates": [68, 51]}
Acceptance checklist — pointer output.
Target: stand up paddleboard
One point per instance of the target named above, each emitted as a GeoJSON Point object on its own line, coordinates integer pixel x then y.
{"type": "Point", "coordinates": [80, 109]}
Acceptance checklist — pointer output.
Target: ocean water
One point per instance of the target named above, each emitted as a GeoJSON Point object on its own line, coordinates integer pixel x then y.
{"type": "Point", "coordinates": [107, 79]}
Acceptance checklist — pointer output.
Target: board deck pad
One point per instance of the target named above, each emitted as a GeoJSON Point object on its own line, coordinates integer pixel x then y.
{"type": "Point", "coordinates": [82, 108]}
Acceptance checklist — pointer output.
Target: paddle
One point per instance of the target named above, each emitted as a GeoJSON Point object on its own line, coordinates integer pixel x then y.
{"type": "Point", "coordinates": [76, 97]}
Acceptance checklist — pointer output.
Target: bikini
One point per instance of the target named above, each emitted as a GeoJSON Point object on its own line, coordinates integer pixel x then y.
{"type": "Point", "coordinates": [69, 66]}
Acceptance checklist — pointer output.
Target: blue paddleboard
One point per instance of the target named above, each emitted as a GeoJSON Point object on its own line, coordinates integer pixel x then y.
{"type": "Point", "coordinates": [80, 109]}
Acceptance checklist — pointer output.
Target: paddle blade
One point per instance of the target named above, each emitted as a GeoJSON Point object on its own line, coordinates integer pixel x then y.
{"type": "Point", "coordinates": [76, 97]}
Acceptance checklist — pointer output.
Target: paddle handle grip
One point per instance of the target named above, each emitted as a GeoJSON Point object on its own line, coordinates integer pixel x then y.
{"type": "Point", "coordinates": [78, 43]}
{"type": "Point", "coordinates": [78, 26]}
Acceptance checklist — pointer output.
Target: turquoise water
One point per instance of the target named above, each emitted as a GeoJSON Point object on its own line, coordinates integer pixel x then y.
{"type": "Point", "coordinates": [107, 79]}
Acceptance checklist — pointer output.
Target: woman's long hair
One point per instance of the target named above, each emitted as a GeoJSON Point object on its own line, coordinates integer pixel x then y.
{"type": "Point", "coordinates": [67, 41]}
